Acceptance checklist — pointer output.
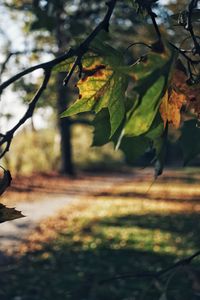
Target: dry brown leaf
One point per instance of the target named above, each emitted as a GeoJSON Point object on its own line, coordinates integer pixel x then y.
{"type": "Point", "coordinates": [170, 108]}
{"type": "Point", "coordinates": [8, 214]}
{"type": "Point", "coordinates": [191, 92]}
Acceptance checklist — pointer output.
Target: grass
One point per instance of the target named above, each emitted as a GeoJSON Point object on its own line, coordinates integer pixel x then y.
{"type": "Point", "coordinates": [115, 232]}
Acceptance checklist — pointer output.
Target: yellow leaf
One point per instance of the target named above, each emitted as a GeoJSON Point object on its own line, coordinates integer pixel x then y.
{"type": "Point", "coordinates": [164, 108]}
{"type": "Point", "coordinates": [170, 108]}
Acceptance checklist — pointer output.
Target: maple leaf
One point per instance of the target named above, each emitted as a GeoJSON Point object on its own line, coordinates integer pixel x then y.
{"type": "Point", "coordinates": [170, 108]}
{"type": "Point", "coordinates": [101, 86]}
{"type": "Point", "coordinates": [152, 77]}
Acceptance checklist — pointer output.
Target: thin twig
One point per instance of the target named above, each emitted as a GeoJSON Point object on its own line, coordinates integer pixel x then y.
{"type": "Point", "coordinates": [189, 27]}
{"type": "Point", "coordinates": [182, 52]}
{"type": "Point", "coordinates": [16, 53]}
{"type": "Point", "coordinates": [47, 67]}
{"type": "Point", "coordinates": [7, 138]}
{"type": "Point", "coordinates": [103, 25]}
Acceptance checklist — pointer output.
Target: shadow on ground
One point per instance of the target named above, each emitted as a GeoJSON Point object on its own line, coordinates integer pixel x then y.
{"type": "Point", "coordinates": [72, 266]}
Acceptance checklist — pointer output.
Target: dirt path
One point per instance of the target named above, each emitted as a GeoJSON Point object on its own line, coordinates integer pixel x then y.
{"type": "Point", "coordinates": [14, 232]}
{"type": "Point", "coordinates": [41, 197]}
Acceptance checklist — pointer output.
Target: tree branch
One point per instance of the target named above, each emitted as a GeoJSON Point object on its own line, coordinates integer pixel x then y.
{"type": "Point", "coordinates": [189, 27]}
{"type": "Point", "coordinates": [7, 138]}
{"type": "Point", "coordinates": [103, 25]}
{"type": "Point", "coordinates": [47, 67]}
{"type": "Point", "coordinates": [16, 53]}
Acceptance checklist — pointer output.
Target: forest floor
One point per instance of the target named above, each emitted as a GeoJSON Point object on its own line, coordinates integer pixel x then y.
{"type": "Point", "coordinates": [100, 226]}
{"type": "Point", "coordinates": [42, 196]}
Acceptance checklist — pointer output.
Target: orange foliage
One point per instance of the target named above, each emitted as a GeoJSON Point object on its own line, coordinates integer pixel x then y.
{"type": "Point", "coordinates": [178, 94]}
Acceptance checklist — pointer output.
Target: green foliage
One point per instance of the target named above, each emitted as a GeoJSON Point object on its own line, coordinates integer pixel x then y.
{"type": "Point", "coordinates": [125, 98]}
{"type": "Point", "coordinates": [102, 85]}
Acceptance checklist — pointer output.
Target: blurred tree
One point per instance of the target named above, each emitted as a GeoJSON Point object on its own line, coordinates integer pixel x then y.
{"type": "Point", "coordinates": [56, 24]}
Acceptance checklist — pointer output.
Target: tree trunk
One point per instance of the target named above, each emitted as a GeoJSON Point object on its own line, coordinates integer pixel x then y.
{"type": "Point", "coordinates": [63, 95]}
{"type": "Point", "coordinates": [65, 129]}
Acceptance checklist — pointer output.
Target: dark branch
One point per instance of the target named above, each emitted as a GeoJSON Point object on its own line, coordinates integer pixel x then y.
{"type": "Point", "coordinates": [7, 138]}
{"type": "Point", "coordinates": [189, 27]}
{"type": "Point", "coordinates": [103, 25]}
{"type": "Point", "coordinates": [182, 52]}
{"type": "Point", "coordinates": [16, 53]}
{"type": "Point", "coordinates": [48, 65]}
{"type": "Point", "coordinates": [78, 52]}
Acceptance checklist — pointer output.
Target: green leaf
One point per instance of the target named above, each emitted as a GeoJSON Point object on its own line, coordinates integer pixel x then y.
{"type": "Point", "coordinates": [150, 90]}
{"type": "Point", "coordinates": [116, 104]}
{"type": "Point", "coordinates": [190, 140]}
{"type": "Point", "coordinates": [134, 147]}
{"type": "Point", "coordinates": [101, 133]}
{"type": "Point", "coordinates": [146, 65]}
{"type": "Point", "coordinates": [143, 116]}
{"type": "Point", "coordinates": [8, 214]}
{"type": "Point", "coordinates": [101, 86]}
{"type": "Point", "coordinates": [157, 128]}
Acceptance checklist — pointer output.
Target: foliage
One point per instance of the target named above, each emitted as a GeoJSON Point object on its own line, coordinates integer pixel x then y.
{"type": "Point", "coordinates": [135, 104]}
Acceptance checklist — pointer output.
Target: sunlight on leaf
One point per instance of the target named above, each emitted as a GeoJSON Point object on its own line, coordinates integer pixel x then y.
{"type": "Point", "coordinates": [143, 116]}
{"type": "Point", "coordinates": [101, 86]}
{"type": "Point", "coordinates": [170, 108]}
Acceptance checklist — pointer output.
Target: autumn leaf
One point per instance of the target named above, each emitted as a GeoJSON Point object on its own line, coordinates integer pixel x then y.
{"type": "Point", "coordinates": [191, 92]}
{"type": "Point", "coordinates": [8, 214]}
{"type": "Point", "coordinates": [170, 108]}
{"type": "Point", "coordinates": [101, 86]}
